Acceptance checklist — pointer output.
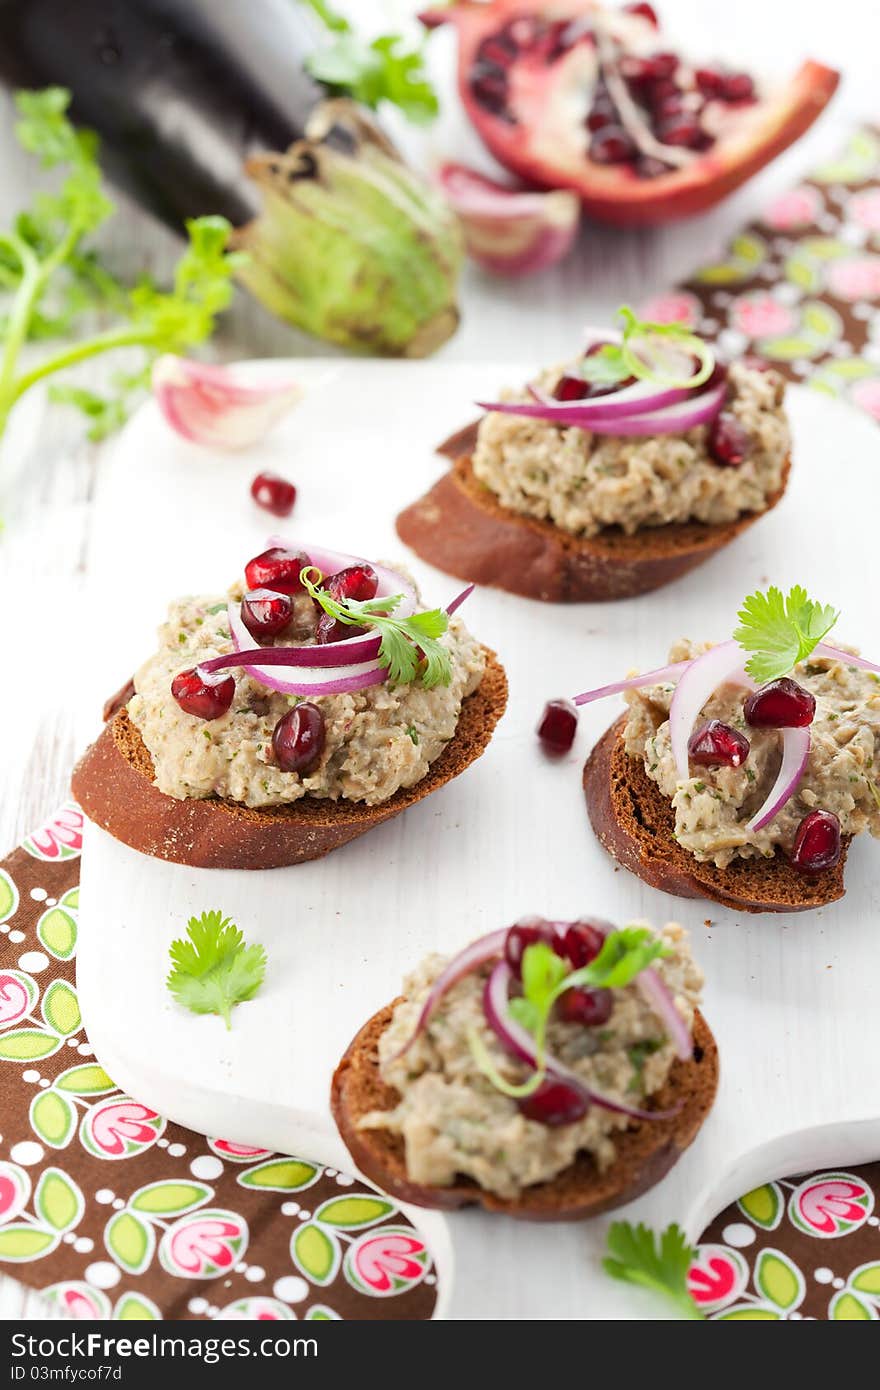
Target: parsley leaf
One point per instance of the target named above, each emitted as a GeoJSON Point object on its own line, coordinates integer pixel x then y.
{"type": "Point", "coordinates": [636, 1256]}
{"type": "Point", "coordinates": [51, 277]}
{"type": "Point", "coordinates": [383, 70]}
{"type": "Point", "coordinates": [409, 646]}
{"type": "Point", "coordinates": [781, 631]}
{"type": "Point", "coordinates": [214, 969]}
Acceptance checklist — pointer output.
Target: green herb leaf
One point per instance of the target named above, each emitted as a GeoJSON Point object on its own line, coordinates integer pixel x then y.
{"type": "Point", "coordinates": [624, 955]}
{"type": "Point", "coordinates": [409, 647]}
{"type": "Point", "coordinates": [637, 1256]}
{"type": "Point", "coordinates": [605, 367]}
{"type": "Point", "coordinates": [213, 970]}
{"type": "Point", "coordinates": [372, 72]}
{"type": "Point", "coordinates": [781, 631]}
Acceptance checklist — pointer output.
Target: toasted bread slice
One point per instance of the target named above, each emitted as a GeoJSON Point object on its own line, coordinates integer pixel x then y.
{"type": "Point", "coordinates": [461, 528]}
{"type": "Point", "coordinates": [646, 1150]}
{"type": "Point", "coordinates": [635, 822]}
{"type": "Point", "coordinates": [113, 783]}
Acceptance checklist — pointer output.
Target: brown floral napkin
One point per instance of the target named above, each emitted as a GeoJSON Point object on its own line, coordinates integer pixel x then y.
{"type": "Point", "coordinates": [801, 285]}
{"type": "Point", "coordinates": [114, 1212]}
{"type": "Point", "coordinates": [800, 1248]}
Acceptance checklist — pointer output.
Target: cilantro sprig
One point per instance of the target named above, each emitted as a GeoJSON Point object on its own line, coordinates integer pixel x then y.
{"type": "Point", "coordinates": [781, 631]}
{"type": "Point", "coordinates": [382, 70]}
{"type": "Point", "coordinates": [614, 362]}
{"type": "Point", "coordinates": [51, 276]}
{"type": "Point", "coordinates": [661, 1262]}
{"type": "Point", "coordinates": [409, 647]}
{"type": "Point", "coordinates": [214, 969]}
{"type": "Point", "coordinates": [546, 976]}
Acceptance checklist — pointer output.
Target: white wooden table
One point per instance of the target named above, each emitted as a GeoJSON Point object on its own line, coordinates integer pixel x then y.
{"type": "Point", "coordinates": [49, 701]}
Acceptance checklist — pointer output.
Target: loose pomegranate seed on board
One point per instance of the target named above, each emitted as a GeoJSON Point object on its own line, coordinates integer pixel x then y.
{"type": "Point", "coordinates": [265, 613]}
{"type": "Point", "coordinates": [729, 441]}
{"type": "Point", "coordinates": [274, 493]}
{"type": "Point", "coordinates": [717, 744]}
{"type": "Point", "coordinates": [277, 569]}
{"type": "Point", "coordinates": [554, 1103]}
{"type": "Point", "coordinates": [298, 738]}
{"type": "Point", "coordinates": [817, 842]}
{"type": "Point", "coordinates": [558, 726]}
{"type": "Point", "coordinates": [780, 704]}
{"type": "Point", "coordinates": [204, 695]}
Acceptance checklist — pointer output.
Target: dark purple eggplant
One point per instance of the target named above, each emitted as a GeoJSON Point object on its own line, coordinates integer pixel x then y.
{"type": "Point", "coordinates": [204, 106]}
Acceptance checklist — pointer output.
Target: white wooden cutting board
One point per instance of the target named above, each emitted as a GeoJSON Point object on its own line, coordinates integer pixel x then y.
{"type": "Point", "coordinates": [792, 1000]}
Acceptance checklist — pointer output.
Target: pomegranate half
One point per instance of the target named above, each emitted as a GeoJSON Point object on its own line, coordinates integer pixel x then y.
{"type": "Point", "coordinates": [574, 94]}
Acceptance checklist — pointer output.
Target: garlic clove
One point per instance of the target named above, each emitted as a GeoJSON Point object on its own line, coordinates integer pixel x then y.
{"type": "Point", "coordinates": [214, 406]}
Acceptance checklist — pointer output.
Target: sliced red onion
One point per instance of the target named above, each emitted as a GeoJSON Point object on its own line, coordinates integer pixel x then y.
{"type": "Point", "coordinates": [456, 603]}
{"type": "Point", "coordinates": [299, 679]}
{"type": "Point", "coordinates": [330, 562]}
{"type": "Point", "coordinates": [641, 397]}
{"type": "Point", "coordinates": [520, 1043]}
{"type": "Point", "coordinates": [484, 949]}
{"type": "Point", "coordinates": [847, 658]}
{"type": "Point", "coordinates": [657, 994]}
{"type": "Point", "coordinates": [795, 755]}
{"type": "Point", "coordinates": [717, 666]}
{"type": "Point", "coordinates": [662, 673]}
{"type": "Point", "coordinates": [690, 409]}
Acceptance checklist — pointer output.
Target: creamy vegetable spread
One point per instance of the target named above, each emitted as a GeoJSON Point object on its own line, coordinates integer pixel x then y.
{"type": "Point", "coordinates": [583, 482]}
{"type": "Point", "coordinates": [453, 1120]}
{"type": "Point", "coordinates": [377, 740]}
{"type": "Point", "coordinates": [713, 806]}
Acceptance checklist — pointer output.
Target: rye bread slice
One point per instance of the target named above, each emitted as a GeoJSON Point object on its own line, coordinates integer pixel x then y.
{"type": "Point", "coordinates": [113, 783]}
{"type": "Point", "coordinates": [635, 822]}
{"type": "Point", "coordinates": [460, 527]}
{"type": "Point", "coordinates": [646, 1150]}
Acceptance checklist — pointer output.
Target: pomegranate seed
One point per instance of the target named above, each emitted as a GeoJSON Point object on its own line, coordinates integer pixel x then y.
{"type": "Point", "coordinates": [602, 113]}
{"type": "Point", "coordinates": [554, 1103]}
{"type": "Point", "coordinates": [737, 86]}
{"type": "Point", "coordinates": [729, 441]}
{"type": "Point", "coordinates": [611, 145]}
{"type": "Point", "coordinates": [650, 69]}
{"type": "Point", "coordinates": [581, 943]}
{"type": "Point", "coordinates": [203, 694]}
{"type": "Point", "coordinates": [277, 569]}
{"type": "Point", "coordinates": [522, 935]}
{"type": "Point", "coordinates": [780, 704]}
{"type": "Point", "coordinates": [681, 130]}
{"type": "Point", "coordinates": [650, 168]}
{"type": "Point", "coordinates": [718, 744]}
{"type": "Point", "coordinates": [571, 388]}
{"type": "Point", "coordinates": [489, 86]}
{"type": "Point", "coordinates": [274, 493]}
{"type": "Point", "coordinates": [329, 630]}
{"type": "Point", "coordinates": [265, 613]}
{"type": "Point", "coordinates": [557, 726]}
{"type": "Point", "coordinates": [298, 738]}
{"type": "Point", "coordinates": [590, 1007]}
{"type": "Point", "coordinates": [498, 50]}
{"type": "Point", "coordinates": [817, 843]}
{"type": "Point", "coordinates": [665, 107]}
{"type": "Point", "coordinates": [710, 81]}
{"type": "Point", "coordinates": [358, 582]}
{"type": "Point", "coordinates": [645, 11]}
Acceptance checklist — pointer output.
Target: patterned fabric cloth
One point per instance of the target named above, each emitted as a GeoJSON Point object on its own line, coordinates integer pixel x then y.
{"type": "Point", "coordinates": [806, 1247]}
{"type": "Point", "coordinates": [801, 286]}
{"type": "Point", "coordinates": [116, 1213]}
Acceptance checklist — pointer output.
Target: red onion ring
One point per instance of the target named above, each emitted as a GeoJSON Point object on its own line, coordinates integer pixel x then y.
{"type": "Point", "coordinates": [715, 667]}
{"type": "Point", "coordinates": [795, 755]}
{"type": "Point", "coordinates": [456, 603]}
{"type": "Point", "coordinates": [657, 994]}
{"type": "Point", "coordinates": [690, 408]}
{"type": "Point", "coordinates": [330, 562]}
{"type": "Point", "coordinates": [847, 658]}
{"type": "Point", "coordinates": [662, 673]}
{"type": "Point", "coordinates": [484, 949]}
{"type": "Point", "coordinates": [300, 679]}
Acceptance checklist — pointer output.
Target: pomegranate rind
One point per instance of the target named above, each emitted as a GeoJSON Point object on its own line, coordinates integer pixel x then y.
{"type": "Point", "coordinates": [615, 194]}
